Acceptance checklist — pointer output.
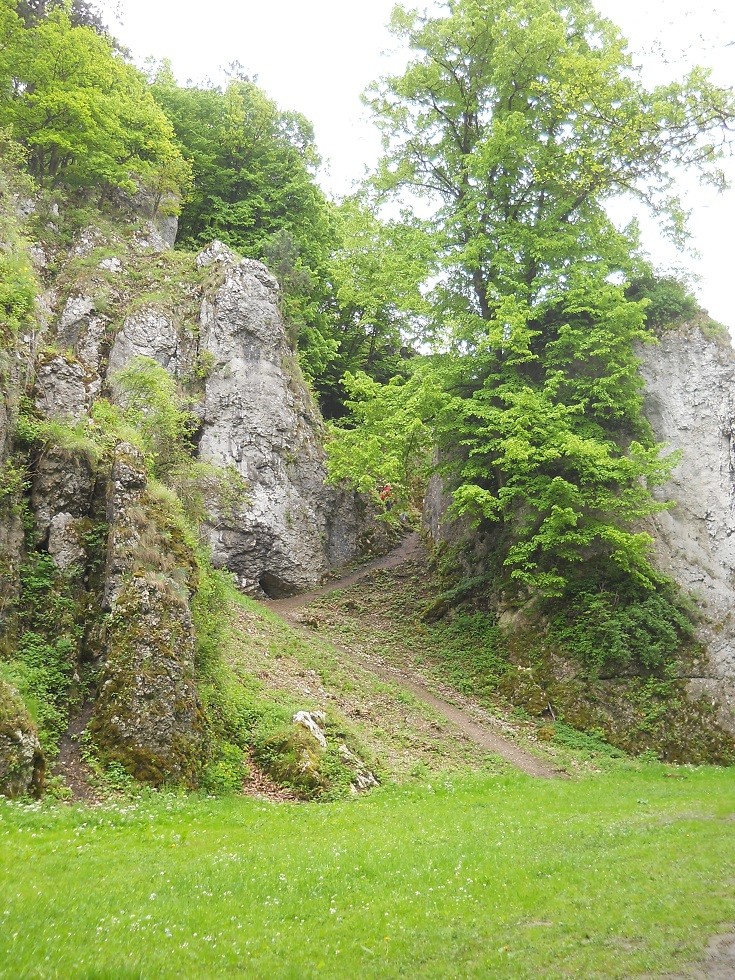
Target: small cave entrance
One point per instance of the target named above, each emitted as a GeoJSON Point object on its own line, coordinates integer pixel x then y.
{"type": "Point", "coordinates": [274, 587]}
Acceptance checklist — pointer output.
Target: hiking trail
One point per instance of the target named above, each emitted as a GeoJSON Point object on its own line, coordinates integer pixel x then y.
{"type": "Point", "coordinates": [478, 725]}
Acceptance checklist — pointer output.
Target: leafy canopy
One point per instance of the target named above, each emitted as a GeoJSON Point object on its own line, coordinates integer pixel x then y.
{"type": "Point", "coordinates": [85, 116]}
{"type": "Point", "coordinates": [517, 122]}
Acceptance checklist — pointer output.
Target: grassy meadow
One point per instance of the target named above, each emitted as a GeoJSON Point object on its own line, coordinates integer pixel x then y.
{"type": "Point", "coordinates": [625, 872]}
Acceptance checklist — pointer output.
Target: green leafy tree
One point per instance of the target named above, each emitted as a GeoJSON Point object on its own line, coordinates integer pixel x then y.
{"type": "Point", "coordinates": [253, 168]}
{"type": "Point", "coordinates": [669, 298]}
{"type": "Point", "coordinates": [85, 116]}
{"type": "Point", "coordinates": [81, 13]}
{"type": "Point", "coordinates": [375, 309]}
{"type": "Point", "coordinates": [18, 282]}
{"type": "Point", "coordinates": [254, 188]}
{"type": "Point", "coordinates": [390, 438]}
{"type": "Point", "coordinates": [518, 122]}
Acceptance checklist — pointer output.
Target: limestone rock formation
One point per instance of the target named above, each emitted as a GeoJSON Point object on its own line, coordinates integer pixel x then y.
{"type": "Point", "coordinates": [124, 558]}
{"type": "Point", "coordinates": [690, 402]}
{"type": "Point", "coordinates": [61, 497]}
{"type": "Point", "coordinates": [21, 758]}
{"type": "Point", "coordinates": [259, 418]}
{"type": "Point", "coordinates": [147, 715]}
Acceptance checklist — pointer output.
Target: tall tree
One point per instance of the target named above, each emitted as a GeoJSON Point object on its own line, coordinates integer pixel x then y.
{"type": "Point", "coordinates": [518, 121]}
{"type": "Point", "coordinates": [82, 13]}
{"type": "Point", "coordinates": [85, 116]}
{"type": "Point", "coordinates": [375, 310]}
{"type": "Point", "coordinates": [254, 187]}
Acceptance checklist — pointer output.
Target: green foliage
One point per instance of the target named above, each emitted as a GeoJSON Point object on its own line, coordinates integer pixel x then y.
{"type": "Point", "coordinates": [18, 282]}
{"type": "Point", "coordinates": [516, 124]}
{"type": "Point", "coordinates": [13, 481]}
{"type": "Point", "coordinates": [616, 626]}
{"type": "Point", "coordinates": [389, 440]}
{"type": "Point", "coordinates": [374, 309]}
{"type": "Point", "coordinates": [670, 301]}
{"type": "Point", "coordinates": [39, 432]}
{"type": "Point", "coordinates": [253, 184]}
{"type": "Point", "coordinates": [17, 295]}
{"type": "Point", "coordinates": [151, 404]}
{"type": "Point", "coordinates": [589, 743]}
{"type": "Point", "coordinates": [225, 774]}
{"type": "Point", "coordinates": [43, 665]}
{"type": "Point", "coordinates": [84, 114]}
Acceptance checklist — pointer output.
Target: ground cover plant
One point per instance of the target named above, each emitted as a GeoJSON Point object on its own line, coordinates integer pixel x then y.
{"type": "Point", "coordinates": [621, 874]}
{"type": "Point", "coordinates": [523, 668]}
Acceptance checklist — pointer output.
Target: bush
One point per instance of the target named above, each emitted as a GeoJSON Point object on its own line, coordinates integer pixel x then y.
{"type": "Point", "coordinates": [618, 625]}
{"type": "Point", "coordinates": [669, 299]}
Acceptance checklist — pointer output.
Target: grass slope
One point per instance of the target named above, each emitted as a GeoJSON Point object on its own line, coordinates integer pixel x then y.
{"type": "Point", "coordinates": [404, 736]}
{"type": "Point", "coordinates": [621, 874]}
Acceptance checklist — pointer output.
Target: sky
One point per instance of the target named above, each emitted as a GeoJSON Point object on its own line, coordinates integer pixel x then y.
{"type": "Point", "coordinates": [317, 56]}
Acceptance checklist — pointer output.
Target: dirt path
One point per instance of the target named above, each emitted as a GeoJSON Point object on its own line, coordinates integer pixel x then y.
{"type": "Point", "coordinates": [409, 548]}
{"type": "Point", "coordinates": [482, 731]}
{"type": "Point", "coordinates": [718, 962]}
{"type": "Point", "coordinates": [70, 765]}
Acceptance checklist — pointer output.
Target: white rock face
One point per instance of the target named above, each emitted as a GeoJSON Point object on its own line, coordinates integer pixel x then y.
{"type": "Point", "coordinates": [312, 722]}
{"type": "Point", "coordinates": [690, 402]}
{"type": "Point", "coordinates": [148, 333]}
{"type": "Point", "coordinates": [64, 389]}
{"type": "Point", "coordinates": [259, 419]}
{"type": "Point", "coordinates": [82, 330]}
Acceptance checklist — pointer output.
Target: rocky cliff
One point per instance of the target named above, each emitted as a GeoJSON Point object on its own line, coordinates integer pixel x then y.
{"type": "Point", "coordinates": [99, 566]}
{"type": "Point", "coordinates": [690, 402]}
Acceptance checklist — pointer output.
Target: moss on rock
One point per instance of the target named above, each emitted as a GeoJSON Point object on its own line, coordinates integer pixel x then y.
{"type": "Point", "coordinates": [148, 716]}
{"type": "Point", "coordinates": [21, 758]}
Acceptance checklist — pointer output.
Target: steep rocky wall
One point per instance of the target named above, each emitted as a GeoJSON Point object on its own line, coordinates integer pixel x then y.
{"type": "Point", "coordinates": [226, 340]}
{"type": "Point", "coordinates": [121, 556]}
{"type": "Point", "coordinates": [690, 402]}
{"type": "Point", "coordinates": [259, 418]}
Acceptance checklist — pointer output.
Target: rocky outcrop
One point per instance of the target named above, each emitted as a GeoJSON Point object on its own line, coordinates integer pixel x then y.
{"type": "Point", "coordinates": [259, 419]}
{"type": "Point", "coordinates": [61, 498]}
{"type": "Point", "coordinates": [21, 758]}
{"type": "Point", "coordinates": [147, 715]}
{"type": "Point", "coordinates": [118, 540]}
{"type": "Point", "coordinates": [690, 402]}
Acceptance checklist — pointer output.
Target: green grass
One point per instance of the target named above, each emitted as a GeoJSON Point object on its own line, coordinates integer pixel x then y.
{"type": "Point", "coordinates": [618, 875]}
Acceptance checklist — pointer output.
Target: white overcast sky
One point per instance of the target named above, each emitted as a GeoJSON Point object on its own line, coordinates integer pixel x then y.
{"type": "Point", "coordinates": [317, 56]}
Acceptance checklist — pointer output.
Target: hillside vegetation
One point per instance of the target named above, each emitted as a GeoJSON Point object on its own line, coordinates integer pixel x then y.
{"type": "Point", "coordinates": [211, 785]}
